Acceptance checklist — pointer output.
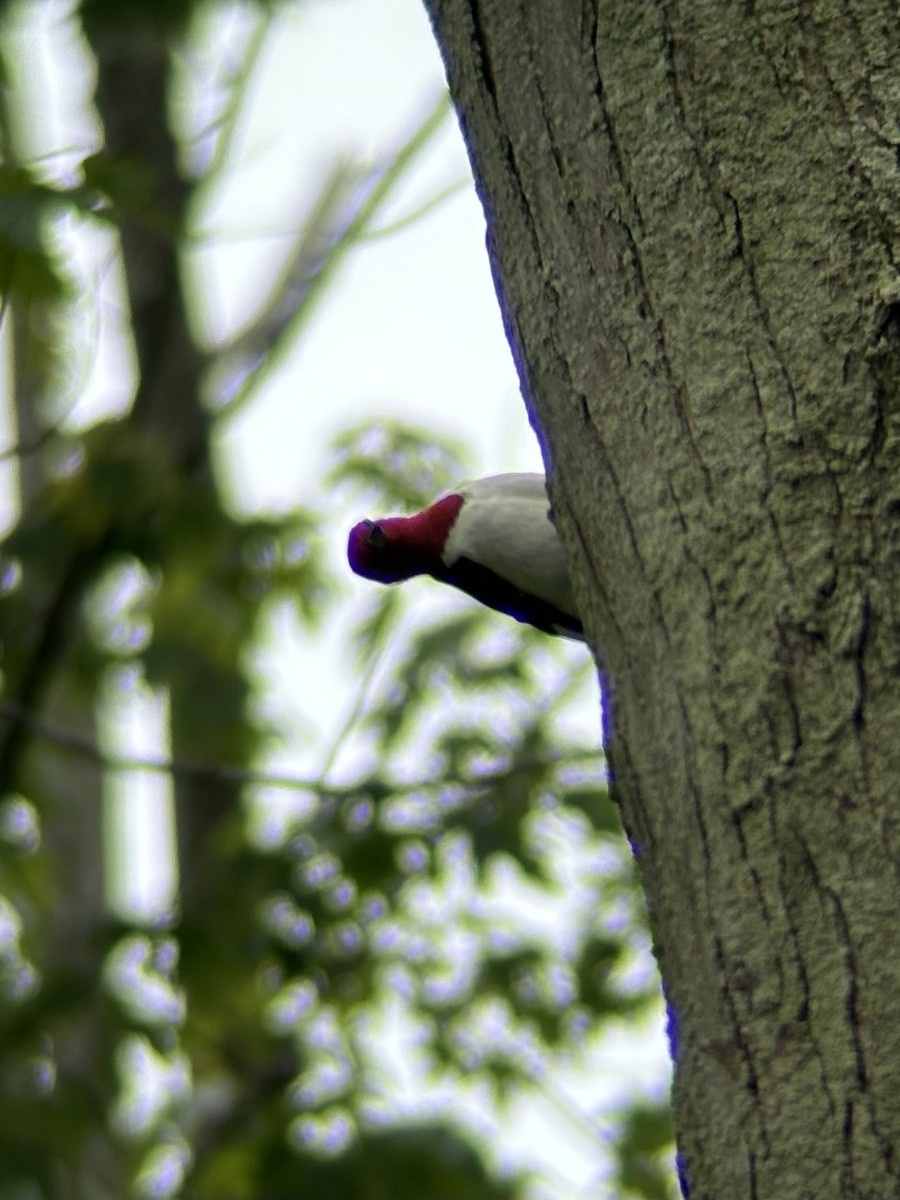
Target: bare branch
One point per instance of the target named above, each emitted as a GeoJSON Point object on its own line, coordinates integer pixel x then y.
{"type": "Point", "coordinates": [227, 774]}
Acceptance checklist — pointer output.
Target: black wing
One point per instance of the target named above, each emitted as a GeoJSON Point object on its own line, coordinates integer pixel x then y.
{"type": "Point", "coordinates": [488, 588]}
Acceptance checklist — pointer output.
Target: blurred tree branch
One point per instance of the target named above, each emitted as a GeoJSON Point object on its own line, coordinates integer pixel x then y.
{"type": "Point", "coordinates": [483, 780]}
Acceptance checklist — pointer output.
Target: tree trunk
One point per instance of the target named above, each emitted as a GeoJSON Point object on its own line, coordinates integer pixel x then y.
{"type": "Point", "coordinates": [694, 222]}
{"type": "Point", "coordinates": [133, 61]}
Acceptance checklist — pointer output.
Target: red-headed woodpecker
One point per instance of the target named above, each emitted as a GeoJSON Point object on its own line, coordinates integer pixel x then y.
{"type": "Point", "coordinates": [492, 538]}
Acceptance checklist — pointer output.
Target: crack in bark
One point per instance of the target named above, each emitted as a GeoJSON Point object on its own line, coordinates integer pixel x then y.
{"type": "Point", "coordinates": [766, 460]}
{"type": "Point", "coordinates": [743, 1047]}
{"type": "Point", "coordinates": [854, 121]}
{"type": "Point", "coordinates": [596, 578]}
{"type": "Point", "coordinates": [886, 332]}
{"type": "Point", "coordinates": [552, 142]}
{"type": "Point", "coordinates": [764, 419]}
{"type": "Point", "coordinates": [677, 389]}
{"type": "Point", "coordinates": [482, 56]}
{"type": "Point", "coordinates": [722, 199]}
{"type": "Point", "coordinates": [753, 1180]}
{"type": "Point", "coordinates": [748, 264]}
{"type": "Point", "coordinates": [859, 670]}
{"type": "Point", "coordinates": [804, 1011]}
{"type": "Point", "coordinates": [789, 696]}
{"type": "Point", "coordinates": [855, 1024]}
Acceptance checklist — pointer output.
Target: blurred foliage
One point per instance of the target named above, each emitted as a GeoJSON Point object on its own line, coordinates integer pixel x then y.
{"type": "Point", "coordinates": [27, 261]}
{"type": "Point", "coordinates": [358, 959]}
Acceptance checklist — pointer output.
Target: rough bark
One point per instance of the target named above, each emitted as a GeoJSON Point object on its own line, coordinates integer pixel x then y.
{"type": "Point", "coordinates": [693, 214]}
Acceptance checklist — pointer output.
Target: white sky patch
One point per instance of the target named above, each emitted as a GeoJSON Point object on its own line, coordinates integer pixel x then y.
{"type": "Point", "coordinates": [141, 883]}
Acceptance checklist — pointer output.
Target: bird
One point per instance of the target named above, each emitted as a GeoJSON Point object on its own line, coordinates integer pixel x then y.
{"type": "Point", "coordinates": [493, 538]}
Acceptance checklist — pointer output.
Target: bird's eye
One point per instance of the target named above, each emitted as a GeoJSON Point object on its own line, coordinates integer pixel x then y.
{"type": "Point", "coordinates": [376, 539]}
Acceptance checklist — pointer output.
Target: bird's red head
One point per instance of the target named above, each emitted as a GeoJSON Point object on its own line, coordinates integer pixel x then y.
{"type": "Point", "coordinates": [397, 548]}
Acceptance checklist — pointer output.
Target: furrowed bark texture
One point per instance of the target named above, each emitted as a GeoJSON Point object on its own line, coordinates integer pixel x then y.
{"type": "Point", "coordinates": [693, 215]}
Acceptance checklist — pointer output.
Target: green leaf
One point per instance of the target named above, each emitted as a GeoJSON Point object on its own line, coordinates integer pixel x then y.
{"type": "Point", "coordinates": [398, 466]}
{"type": "Point", "coordinates": [644, 1152]}
{"type": "Point", "coordinates": [30, 265]}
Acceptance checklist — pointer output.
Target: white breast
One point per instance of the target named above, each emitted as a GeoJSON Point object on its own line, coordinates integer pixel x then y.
{"type": "Point", "coordinates": [505, 525]}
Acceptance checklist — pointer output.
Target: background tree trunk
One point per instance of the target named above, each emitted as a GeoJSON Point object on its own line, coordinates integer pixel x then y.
{"type": "Point", "coordinates": [694, 221]}
{"type": "Point", "coordinates": [133, 62]}
{"type": "Point", "coordinates": [72, 950]}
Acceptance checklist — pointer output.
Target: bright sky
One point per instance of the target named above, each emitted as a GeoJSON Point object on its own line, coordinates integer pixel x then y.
{"type": "Point", "coordinates": [409, 329]}
{"type": "Point", "coordinates": [412, 326]}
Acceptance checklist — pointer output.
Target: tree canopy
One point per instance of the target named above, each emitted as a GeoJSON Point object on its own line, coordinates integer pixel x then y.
{"type": "Point", "coordinates": [363, 979]}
